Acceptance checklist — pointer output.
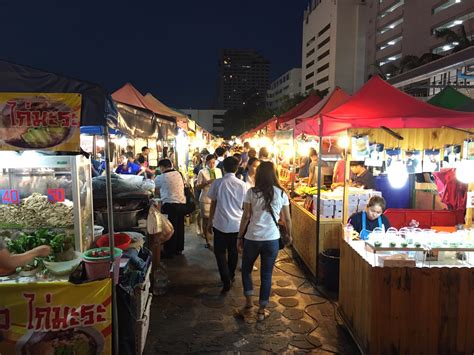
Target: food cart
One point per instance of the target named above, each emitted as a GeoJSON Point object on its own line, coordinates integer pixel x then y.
{"type": "Point", "coordinates": [408, 291]}
{"type": "Point", "coordinates": [46, 198]}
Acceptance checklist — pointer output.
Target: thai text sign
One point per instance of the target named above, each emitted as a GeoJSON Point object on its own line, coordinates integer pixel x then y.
{"type": "Point", "coordinates": [40, 121]}
{"type": "Point", "coordinates": [55, 318]}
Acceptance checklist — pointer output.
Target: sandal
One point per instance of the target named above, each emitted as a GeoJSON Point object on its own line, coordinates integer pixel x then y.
{"type": "Point", "coordinates": [242, 313]}
{"type": "Point", "coordinates": [261, 315]}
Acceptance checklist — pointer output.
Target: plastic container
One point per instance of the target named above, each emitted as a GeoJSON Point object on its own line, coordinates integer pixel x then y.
{"type": "Point", "coordinates": [99, 267]}
{"type": "Point", "coordinates": [63, 267]}
{"type": "Point", "coordinates": [98, 230]}
{"type": "Point", "coordinates": [121, 241]}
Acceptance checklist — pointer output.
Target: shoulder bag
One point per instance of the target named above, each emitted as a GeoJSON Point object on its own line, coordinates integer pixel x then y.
{"type": "Point", "coordinates": [284, 239]}
{"type": "Point", "coordinates": [190, 205]}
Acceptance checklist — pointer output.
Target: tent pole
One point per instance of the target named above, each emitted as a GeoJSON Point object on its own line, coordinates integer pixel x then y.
{"type": "Point", "coordinates": [110, 220]}
{"type": "Point", "coordinates": [318, 201]}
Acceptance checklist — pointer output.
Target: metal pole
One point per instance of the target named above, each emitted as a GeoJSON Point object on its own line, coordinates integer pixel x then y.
{"type": "Point", "coordinates": [110, 219]}
{"type": "Point", "coordinates": [318, 201]}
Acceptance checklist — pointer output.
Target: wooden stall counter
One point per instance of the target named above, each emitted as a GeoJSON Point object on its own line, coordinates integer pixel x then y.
{"type": "Point", "coordinates": [406, 310]}
{"type": "Point", "coordinates": [305, 238]}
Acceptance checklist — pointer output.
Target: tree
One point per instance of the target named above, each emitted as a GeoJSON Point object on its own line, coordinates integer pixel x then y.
{"type": "Point", "coordinates": [458, 39]}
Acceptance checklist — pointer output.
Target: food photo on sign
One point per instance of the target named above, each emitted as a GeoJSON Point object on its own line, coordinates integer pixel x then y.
{"type": "Point", "coordinates": [451, 155]}
{"type": "Point", "coordinates": [40, 121]}
{"type": "Point", "coordinates": [360, 148]}
{"type": "Point", "coordinates": [376, 155]}
{"type": "Point", "coordinates": [468, 149]}
{"type": "Point", "coordinates": [413, 161]}
{"type": "Point", "coordinates": [392, 155]}
{"type": "Point", "coordinates": [431, 160]}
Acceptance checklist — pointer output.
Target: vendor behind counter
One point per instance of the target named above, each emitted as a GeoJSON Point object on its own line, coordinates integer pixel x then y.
{"type": "Point", "coordinates": [365, 222]}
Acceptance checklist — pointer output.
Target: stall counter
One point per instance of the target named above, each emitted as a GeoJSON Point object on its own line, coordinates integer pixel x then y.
{"type": "Point", "coordinates": [406, 310]}
{"type": "Point", "coordinates": [304, 235]}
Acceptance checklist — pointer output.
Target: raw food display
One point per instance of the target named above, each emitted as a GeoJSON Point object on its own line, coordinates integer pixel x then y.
{"type": "Point", "coordinates": [37, 211]}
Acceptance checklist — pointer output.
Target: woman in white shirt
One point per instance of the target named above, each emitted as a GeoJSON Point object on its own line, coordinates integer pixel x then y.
{"type": "Point", "coordinates": [267, 198]}
{"type": "Point", "coordinates": [251, 171]}
{"type": "Point", "coordinates": [204, 180]}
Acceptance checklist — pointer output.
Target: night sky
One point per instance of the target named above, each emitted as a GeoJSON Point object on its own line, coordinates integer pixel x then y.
{"type": "Point", "coordinates": [168, 48]}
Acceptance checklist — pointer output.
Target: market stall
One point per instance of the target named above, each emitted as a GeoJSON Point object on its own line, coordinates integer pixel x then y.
{"type": "Point", "coordinates": [46, 200]}
{"type": "Point", "coordinates": [406, 290]}
{"type": "Point", "coordinates": [304, 133]}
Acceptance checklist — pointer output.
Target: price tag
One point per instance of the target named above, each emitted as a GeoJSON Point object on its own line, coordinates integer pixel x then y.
{"type": "Point", "coordinates": [55, 195]}
{"type": "Point", "coordinates": [10, 197]}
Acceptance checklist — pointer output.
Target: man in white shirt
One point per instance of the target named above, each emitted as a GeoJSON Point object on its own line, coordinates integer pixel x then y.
{"type": "Point", "coordinates": [169, 186]}
{"type": "Point", "coordinates": [227, 196]}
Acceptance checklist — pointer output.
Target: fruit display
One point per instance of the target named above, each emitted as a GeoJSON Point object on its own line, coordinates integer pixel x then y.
{"type": "Point", "coordinates": [308, 190]}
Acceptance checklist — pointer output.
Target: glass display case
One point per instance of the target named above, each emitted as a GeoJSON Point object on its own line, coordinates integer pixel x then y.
{"type": "Point", "coordinates": [420, 247]}
{"type": "Point", "coordinates": [47, 191]}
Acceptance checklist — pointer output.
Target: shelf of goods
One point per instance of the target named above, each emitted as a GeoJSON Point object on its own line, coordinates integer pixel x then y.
{"type": "Point", "coordinates": [427, 307]}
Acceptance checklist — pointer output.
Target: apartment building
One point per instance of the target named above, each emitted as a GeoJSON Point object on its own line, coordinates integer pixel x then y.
{"type": "Point", "coordinates": [285, 86]}
{"type": "Point", "coordinates": [398, 29]}
{"type": "Point", "coordinates": [333, 48]}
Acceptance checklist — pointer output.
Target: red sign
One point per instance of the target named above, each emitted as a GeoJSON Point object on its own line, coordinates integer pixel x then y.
{"type": "Point", "coordinates": [10, 197]}
{"type": "Point", "coordinates": [56, 195]}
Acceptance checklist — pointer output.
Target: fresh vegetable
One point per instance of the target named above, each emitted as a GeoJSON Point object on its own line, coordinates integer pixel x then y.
{"type": "Point", "coordinates": [417, 244]}
{"type": "Point", "coordinates": [404, 244]}
{"type": "Point", "coordinates": [377, 244]}
{"type": "Point", "coordinates": [58, 242]}
{"type": "Point", "coordinates": [393, 244]}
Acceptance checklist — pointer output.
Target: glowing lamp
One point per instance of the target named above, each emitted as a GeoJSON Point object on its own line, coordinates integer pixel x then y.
{"type": "Point", "coordinates": [343, 142]}
{"type": "Point", "coordinates": [397, 174]}
{"type": "Point", "coordinates": [465, 171]}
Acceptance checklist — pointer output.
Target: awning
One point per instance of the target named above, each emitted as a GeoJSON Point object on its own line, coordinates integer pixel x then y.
{"type": "Point", "coordinates": [97, 108]}
{"type": "Point", "coordinates": [449, 98]}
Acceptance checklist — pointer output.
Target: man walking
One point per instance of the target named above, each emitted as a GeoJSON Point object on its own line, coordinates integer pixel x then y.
{"type": "Point", "coordinates": [169, 186]}
{"type": "Point", "coordinates": [227, 197]}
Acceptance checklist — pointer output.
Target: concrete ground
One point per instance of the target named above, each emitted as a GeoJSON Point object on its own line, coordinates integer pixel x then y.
{"type": "Point", "coordinates": [193, 317]}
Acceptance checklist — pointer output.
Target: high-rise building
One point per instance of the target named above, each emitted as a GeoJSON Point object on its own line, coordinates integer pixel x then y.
{"type": "Point", "coordinates": [333, 48]}
{"type": "Point", "coordinates": [211, 120]}
{"type": "Point", "coordinates": [285, 86]}
{"type": "Point", "coordinates": [243, 78]}
{"type": "Point", "coordinates": [402, 35]}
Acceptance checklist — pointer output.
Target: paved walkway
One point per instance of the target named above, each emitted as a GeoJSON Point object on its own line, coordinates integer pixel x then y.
{"type": "Point", "coordinates": [194, 318]}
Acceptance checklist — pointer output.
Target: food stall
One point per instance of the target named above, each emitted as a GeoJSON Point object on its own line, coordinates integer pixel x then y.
{"type": "Point", "coordinates": [42, 111]}
{"type": "Point", "coordinates": [304, 130]}
{"type": "Point", "coordinates": [408, 290]}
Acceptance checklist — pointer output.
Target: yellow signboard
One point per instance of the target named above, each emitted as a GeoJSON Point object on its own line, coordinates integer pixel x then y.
{"type": "Point", "coordinates": [56, 318]}
{"type": "Point", "coordinates": [40, 121]}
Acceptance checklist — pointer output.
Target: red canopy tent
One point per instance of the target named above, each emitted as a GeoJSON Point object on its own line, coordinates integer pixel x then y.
{"type": "Point", "coordinates": [269, 124]}
{"type": "Point", "coordinates": [299, 109]}
{"type": "Point", "coordinates": [307, 123]}
{"type": "Point", "coordinates": [378, 104]}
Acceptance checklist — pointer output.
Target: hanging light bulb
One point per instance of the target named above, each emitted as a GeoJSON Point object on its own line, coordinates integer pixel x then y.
{"type": "Point", "coordinates": [465, 171]}
{"type": "Point", "coordinates": [397, 174]}
{"type": "Point", "coordinates": [343, 142]}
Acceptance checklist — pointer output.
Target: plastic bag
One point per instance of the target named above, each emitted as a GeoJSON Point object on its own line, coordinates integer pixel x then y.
{"type": "Point", "coordinates": [158, 225]}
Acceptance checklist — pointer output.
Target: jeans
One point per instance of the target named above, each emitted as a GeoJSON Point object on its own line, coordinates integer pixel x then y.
{"type": "Point", "coordinates": [176, 243]}
{"type": "Point", "coordinates": [226, 243]}
{"type": "Point", "coordinates": [268, 251]}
